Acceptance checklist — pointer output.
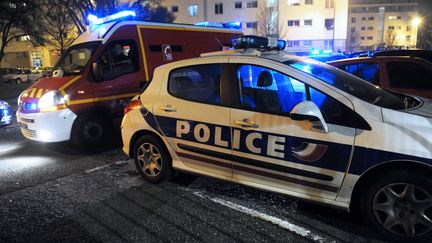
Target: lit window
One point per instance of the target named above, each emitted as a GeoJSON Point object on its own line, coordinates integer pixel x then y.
{"type": "Point", "coordinates": [392, 17]}
{"type": "Point", "coordinates": [193, 10]}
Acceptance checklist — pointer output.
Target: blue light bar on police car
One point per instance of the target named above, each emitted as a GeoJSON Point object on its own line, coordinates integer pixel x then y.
{"type": "Point", "coordinates": [95, 20]}
{"type": "Point", "coordinates": [258, 42]}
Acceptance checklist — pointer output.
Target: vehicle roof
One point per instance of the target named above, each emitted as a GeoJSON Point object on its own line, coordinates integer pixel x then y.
{"type": "Point", "coordinates": [278, 56]}
{"type": "Point", "coordinates": [104, 31]}
{"type": "Point", "coordinates": [362, 59]}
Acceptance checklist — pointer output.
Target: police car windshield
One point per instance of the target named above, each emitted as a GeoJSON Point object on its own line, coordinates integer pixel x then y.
{"type": "Point", "coordinates": [349, 83]}
{"type": "Point", "coordinates": [74, 60]}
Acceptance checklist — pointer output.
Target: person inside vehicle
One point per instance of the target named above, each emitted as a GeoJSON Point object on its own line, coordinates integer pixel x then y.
{"type": "Point", "coordinates": [119, 58]}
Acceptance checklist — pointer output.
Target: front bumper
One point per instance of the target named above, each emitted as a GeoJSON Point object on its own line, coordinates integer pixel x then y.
{"type": "Point", "coordinates": [53, 126]}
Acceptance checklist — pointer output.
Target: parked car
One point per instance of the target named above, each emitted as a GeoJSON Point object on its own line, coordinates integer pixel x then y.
{"type": "Point", "coordinates": [5, 113]}
{"type": "Point", "coordinates": [425, 54]}
{"type": "Point", "coordinates": [409, 75]}
{"type": "Point", "coordinates": [24, 75]}
{"type": "Point", "coordinates": [3, 72]}
{"type": "Point", "coordinates": [291, 125]}
{"type": "Point", "coordinates": [46, 71]}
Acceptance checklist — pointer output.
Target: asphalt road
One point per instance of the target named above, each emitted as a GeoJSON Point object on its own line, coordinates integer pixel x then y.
{"type": "Point", "coordinates": [54, 192]}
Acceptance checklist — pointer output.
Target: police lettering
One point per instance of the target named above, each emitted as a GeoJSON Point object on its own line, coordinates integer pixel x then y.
{"type": "Point", "coordinates": [250, 141]}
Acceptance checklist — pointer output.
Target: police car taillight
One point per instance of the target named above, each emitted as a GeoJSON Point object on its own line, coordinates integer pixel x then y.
{"type": "Point", "coordinates": [133, 105]}
{"type": "Point", "coordinates": [258, 42]}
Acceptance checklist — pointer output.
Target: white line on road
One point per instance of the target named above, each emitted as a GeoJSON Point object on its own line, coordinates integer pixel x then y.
{"type": "Point", "coordinates": [97, 168]}
{"type": "Point", "coordinates": [276, 221]}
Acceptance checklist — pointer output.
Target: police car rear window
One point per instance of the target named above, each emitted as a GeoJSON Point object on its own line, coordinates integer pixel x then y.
{"type": "Point", "coordinates": [199, 83]}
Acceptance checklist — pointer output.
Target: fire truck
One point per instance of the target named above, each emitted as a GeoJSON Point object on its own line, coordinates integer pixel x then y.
{"type": "Point", "coordinates": [101, 71]}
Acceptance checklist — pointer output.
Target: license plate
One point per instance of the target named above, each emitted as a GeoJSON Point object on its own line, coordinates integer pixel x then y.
{"type": "Point", "coordinates": [23, 125]}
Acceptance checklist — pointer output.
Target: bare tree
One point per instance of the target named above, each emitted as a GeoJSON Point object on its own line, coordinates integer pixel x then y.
{"type": "Point", "coordinates": [267, 21]}
{"type": "Point", "coordinates": [390, 37]}
{"type": "Point", "coordinates": [19, 18]}
{"type": "Point", "coordinates": [59, 25]}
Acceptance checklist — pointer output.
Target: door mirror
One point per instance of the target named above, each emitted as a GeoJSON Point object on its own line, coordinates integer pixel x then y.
{"type": "Point", "coordinates": [97, 72]}
{"type": "Point", "coordinates": [307, 110]}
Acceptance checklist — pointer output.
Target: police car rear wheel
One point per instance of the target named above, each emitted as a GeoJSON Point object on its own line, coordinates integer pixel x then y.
{"type": "Point", "coordinates": [152, 160]}
{"type": "Point", "coordinates": [400, 206]}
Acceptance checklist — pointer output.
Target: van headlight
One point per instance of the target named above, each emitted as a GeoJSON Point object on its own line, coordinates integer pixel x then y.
{"type": "Point", "coordinates": [51, 101]}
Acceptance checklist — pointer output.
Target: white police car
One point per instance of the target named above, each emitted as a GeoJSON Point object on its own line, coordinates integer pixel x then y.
{"type": "Point", "coordinates": [263, 118]}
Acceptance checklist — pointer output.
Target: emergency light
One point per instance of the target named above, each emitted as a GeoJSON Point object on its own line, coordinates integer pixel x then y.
{"type": "Point", "coordinates": [258, 42]}
{"type": "Point", "coordinates": [95, 20]}
{"type": "Point", "coordinates": [229, 25]}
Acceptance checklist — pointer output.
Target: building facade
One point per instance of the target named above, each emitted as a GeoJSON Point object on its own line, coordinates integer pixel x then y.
{"type": "Point", "coordinates": [308, 24]}
{"type": "Point", "coordinates": [382, 23]}
{"type": "Point", "coordinates": [305, 24]}
{"type": "Point", "coordinates": [220, 11]}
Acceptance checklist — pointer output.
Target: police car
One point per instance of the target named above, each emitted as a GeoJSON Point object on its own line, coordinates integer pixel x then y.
{"type": "Point", "coordinates": [260, 117]}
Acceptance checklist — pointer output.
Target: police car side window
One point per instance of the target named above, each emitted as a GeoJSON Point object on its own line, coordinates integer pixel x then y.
{"type": "Point", "coordinates": [334, 112]}
{"type": "Point", "coordinates": [266, 90]}
{"type": "Point", "coordinates": [199, 83]}
{"type": "Point", "coordinates": [119, 58]}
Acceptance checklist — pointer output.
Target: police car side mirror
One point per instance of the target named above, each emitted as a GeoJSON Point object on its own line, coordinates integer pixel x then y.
{"type": "Point", "coordinates": [97, 74]}
{"type": "Point", "coordinates": [308, 111]}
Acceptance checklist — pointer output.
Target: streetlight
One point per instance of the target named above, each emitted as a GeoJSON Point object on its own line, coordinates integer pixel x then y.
{"type": "Point", "coordinates": [416, 22]}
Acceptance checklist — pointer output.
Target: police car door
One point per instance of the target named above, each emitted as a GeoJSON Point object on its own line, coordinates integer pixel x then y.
{"type": "Point", "coordinates": [271, 149]}
{"type": "Point", "coordinates": [191, 114]}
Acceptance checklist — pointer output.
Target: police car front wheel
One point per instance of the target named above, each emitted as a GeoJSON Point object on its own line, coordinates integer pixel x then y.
{"type": "Point", "coordinates": [400, 206]}
{"type": "Point", "coordinates": [152, 160]}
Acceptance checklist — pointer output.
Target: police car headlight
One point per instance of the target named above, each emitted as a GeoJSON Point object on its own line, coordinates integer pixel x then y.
{"type": "Point", "coordinates": [51, 101]}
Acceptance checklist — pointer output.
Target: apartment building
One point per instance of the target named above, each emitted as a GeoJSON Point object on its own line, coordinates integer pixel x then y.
{"type": "Point", "coordinates": [382, 23]}
{"type": "Point", "coordinates": [221, 11]}
{"type": "Point", "coordinates": [308, 24]}
{"type": "Point", "coordinates": [305, 24]}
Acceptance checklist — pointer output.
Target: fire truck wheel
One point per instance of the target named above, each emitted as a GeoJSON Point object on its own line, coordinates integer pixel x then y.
{"type": "Point", "coordinates": [91, 131]}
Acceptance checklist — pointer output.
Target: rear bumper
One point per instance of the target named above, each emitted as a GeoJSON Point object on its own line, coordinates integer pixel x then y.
{"type": "Point", "coordinates": [53, 126]}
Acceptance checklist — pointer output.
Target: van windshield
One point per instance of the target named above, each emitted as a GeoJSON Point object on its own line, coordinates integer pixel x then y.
{"type": "Point", "coordinates": [75, 59]}
{"type": "Point", "coordinates": [353, 85]}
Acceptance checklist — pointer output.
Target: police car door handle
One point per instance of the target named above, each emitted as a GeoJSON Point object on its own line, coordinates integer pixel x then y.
{"type": "Point", "coordinates": [168, 108]}
{"type": "Point", "coordinates": [246, 123]}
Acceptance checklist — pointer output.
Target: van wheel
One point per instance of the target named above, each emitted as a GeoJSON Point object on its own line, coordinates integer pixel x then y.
{"type": "Point", "coordinates": [92, 131]}
{"type": "Point", "coordinates": [400, 206]}
{"type": "Point", "coordinates": [152, 160]}
{"type": "Point", "coordinates": [18, 81]}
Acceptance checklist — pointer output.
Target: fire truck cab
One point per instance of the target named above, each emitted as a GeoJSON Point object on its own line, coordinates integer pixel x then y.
{"type": "Point", "coordinates": [99, 73]}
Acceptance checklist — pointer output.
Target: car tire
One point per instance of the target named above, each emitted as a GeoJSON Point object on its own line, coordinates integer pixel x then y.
{"type": "Point", "coordinates": [399, 206]}
{"type": "Point", "coordinates": [92, 131]}
{"type": "Point", "coordinates": [18, 81]}
{"type": "Point", "coordinates": [152, 159]}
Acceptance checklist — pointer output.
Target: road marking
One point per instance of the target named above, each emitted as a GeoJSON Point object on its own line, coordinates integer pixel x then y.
{"type": "Point", "coordinates": [97, 168]}
{"type": "Point", "coordinates": [274, 220]}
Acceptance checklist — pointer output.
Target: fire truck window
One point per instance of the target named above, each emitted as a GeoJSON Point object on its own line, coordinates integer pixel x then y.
{"type": "Point", "coordinates": [119, 58]}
